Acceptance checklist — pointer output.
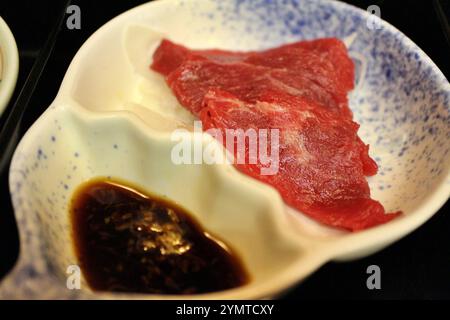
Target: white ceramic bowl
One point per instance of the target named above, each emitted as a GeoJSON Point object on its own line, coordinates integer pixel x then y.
{"type": "Point", "coordinates": [9, 64]}
{"type": "Point", "coordinates": [113, 117]}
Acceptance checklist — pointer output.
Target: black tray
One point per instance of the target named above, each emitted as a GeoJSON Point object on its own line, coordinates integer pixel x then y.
{"type": "Point", "coordinates": [414, 267]}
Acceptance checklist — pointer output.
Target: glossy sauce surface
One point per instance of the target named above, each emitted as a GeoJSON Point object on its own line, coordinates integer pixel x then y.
{"type": "Point", "coordinates": [129, 241]}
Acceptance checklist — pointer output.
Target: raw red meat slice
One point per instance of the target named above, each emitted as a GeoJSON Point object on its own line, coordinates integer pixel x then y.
{"type": "Point", "coordinates": [320, 70]}
{"type": "Point", "coordinates": [300, 89]}
{"type": "Point", "coordinates": [369, 166]}
{"type": "Point", "coordinates": [169, 56]}
{"type": "Point", "coordinates": [324, 60]}
{"type": "Point", "coordinates": [320, 172]}
{"type": "Point", "coordinates": [191, 81]}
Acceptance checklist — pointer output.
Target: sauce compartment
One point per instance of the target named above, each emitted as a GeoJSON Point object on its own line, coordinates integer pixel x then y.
{"type": "Point", "coordinates": [76, 148]}
{"type": "Point", "coordinates": [128, 240]}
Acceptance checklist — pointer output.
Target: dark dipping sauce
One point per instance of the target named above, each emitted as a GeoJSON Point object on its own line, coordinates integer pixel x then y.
{"type": "Point", "coordinates": [128, 241]}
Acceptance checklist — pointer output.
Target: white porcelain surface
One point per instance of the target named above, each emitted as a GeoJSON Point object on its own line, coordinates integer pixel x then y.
{"type": "Point", "coordinates": [9, 64]}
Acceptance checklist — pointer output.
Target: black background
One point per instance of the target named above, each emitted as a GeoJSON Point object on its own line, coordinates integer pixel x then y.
{"type": "Point", "coordinates": [416, 267]}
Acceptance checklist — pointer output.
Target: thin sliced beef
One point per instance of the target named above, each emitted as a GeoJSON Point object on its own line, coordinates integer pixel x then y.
{"type": "Point", "coordinates": [301, 90]}
{"type": "Point", "coordinates": [321, 171]}
{"type": "Point", "coordinates": [320, 70]}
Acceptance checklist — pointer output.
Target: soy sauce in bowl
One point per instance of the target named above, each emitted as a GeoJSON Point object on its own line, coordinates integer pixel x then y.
{"type": "Point", "coordinates": [130, 241]}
